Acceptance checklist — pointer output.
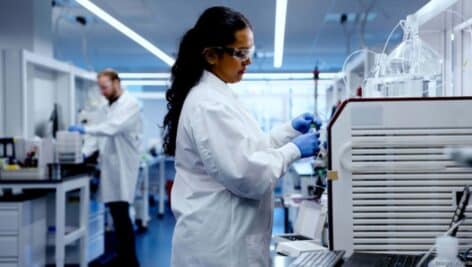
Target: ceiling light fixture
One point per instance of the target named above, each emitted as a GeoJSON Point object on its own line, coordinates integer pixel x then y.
{"type": "Point", "coordinates": [144, 75]}
{"type": "Point", "coordinates": [145, 82]}
{"type": "Point", "coordinates": [279, 37]}
{"type": "Point", "coordinates": [126, 31]}
{"type": "Point", "coordinates": [149, 95]}
{"type": "Point", "coordinates": [129, 76]}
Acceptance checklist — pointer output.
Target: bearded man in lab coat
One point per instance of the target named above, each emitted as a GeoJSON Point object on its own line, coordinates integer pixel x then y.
{"type": "Point", "coordinates": [119, 139]}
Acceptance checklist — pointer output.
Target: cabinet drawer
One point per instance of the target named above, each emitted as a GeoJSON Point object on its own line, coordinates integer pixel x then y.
{"type": "Point", "coordinates": [96, 248]}
{"type": "Point", "coordinates": [9, 221]}
{"type": "Point", "coordinates": [8, 246]}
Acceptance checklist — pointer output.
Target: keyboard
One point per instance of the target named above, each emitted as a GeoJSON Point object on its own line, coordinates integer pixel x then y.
{"type": "Point", "coordinates": [382, 260]}
{"type": "Point", "coordinates": [321, 258]}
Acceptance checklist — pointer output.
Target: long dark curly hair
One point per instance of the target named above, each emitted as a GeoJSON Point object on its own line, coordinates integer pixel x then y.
{"type": "Point", "coordinates": [215, 27]}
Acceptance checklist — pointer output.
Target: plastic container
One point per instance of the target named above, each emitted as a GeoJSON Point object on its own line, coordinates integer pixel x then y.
{"type": "Point", "coordinates": [69, 147]}
{"type": "Point", "coordinates": [447, 248]}
{"type": "Point", "coordinates": [412, 69]}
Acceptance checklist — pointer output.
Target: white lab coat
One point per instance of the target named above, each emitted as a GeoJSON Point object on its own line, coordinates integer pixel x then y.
{"type": "Point", "coordinates": [226, 169]}
{"type": "Point", "coordinates": [119, 140]}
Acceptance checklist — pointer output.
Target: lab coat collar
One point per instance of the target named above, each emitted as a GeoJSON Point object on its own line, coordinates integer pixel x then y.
{"type": "Point", "coordinates": [218, 84]}
{"type": "Point", "coordinates": [120, 99]}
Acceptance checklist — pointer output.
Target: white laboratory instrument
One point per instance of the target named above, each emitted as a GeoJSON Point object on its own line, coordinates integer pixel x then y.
{"type": "Point", "coordinates": [302, 174]}
{"type": "Point", "coordinates": [69, 147]}
{"type": "Point", "coordinates": [392, 189]}
{"type": "Point", "coordinates": [296, 248]}
{"type": "Point", "coordinates": [412, 69]}
{"type": "Point", "coordinates": [34, 155]}
{"type": "Point", "coordinates": [308, 229]}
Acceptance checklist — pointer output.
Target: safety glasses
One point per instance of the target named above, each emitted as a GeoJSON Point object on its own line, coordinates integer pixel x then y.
{"type": "Point", "coordinates": [241, 54]}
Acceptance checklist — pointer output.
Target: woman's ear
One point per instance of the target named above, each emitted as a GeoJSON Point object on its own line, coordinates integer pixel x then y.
{"type": "Point", "coordinates": [210, 55]}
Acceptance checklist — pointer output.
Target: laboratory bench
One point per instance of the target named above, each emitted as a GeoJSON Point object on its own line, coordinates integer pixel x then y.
{"type": "Point", "coordinates": [10, 232]}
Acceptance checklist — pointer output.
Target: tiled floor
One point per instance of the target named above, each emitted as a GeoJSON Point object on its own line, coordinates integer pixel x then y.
{"type": "Point", "coordinates": [154, 246]}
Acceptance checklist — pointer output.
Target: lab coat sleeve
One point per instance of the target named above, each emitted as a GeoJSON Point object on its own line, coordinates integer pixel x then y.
{"type": "Point", "coordinates": [90, 145]}
{"type": "Point", "coordinates": [246, 165]}
{"type": "Point", "coordinates": [122, 118]}
{"type": "Point", "coordinates": [282, 134]}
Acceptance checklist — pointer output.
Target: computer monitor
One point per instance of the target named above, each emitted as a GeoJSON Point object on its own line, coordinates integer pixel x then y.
{"type": "Point", "coordinates": [48, 126]}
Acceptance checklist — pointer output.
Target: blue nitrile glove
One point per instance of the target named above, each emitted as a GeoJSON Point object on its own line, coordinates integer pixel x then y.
{"type": "Point", "coordinates": [77, 128]}
{"type": "Point", "coordinates": [308, 144]}
{"type": "Point", "coordinates": [317, 124]}
{"type": "Point", "coordinates": [303, 122]}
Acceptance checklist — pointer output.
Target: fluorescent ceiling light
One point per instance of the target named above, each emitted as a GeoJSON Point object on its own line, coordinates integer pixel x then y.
{"type": "Point", "coordinates": [144, 75]}
{"type": "Point", "coordinates": [145, 82]}
{"type": "Point", "coordinates": [126, 31]}
{"type": "Point", "coordinates": [432, 9]}
{"type": "Point", "coordinates": [247, 76]}
{"type": "Point", "coordinates": [149, 95]}
{"type": "Point", "coordinates": [280, 19]}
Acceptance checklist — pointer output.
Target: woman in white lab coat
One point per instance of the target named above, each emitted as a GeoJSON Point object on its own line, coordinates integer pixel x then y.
{"type": "Point", "coordinates": [226, 167]}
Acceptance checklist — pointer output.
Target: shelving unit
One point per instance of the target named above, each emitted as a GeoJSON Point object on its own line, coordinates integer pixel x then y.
{"type": "Point", "coordinates": [462, 62]}
{"type": "Point", "coordinates": [22, 237]}
{"type": "Point", "coordinates": [37, 82]}
{"type": "Point", "coordinates": [95, 237]}
{"type": "Point", "coordinates": [335, 93]}
{"type": "Point", "coordinates": [63, 236]}
{"type": "Point", "coordinates": [31, 84]}
{"type": "Point", "coordinates": [84, 83]}
{"type": "Point", "coordinates": [449, 32]}
{"type": "Point", "coordinates": [357, 70]}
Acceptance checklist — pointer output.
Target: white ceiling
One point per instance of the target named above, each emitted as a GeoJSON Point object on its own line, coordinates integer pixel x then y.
{"type": "Point", "coordinates": [310, 39]}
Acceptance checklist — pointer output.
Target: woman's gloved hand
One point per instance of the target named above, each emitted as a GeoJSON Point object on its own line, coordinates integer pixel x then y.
{"type": "Point", "coordinates": [308, 144]}
{"type": "Point", "coordinates": [303, 122]}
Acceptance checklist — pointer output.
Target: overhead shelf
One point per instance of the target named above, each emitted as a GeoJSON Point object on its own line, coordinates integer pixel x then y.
{"type": "Point", "coordinates": [33, 83]}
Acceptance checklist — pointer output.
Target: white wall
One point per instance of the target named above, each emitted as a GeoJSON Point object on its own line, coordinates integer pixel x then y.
{"type": "Point", "coordinates": [26, 24]}
{"type": "Point", "coordinates": [42, 27]}
{"type": "Point", "coordinates": [13, 96]}
{"type": "Point", "coordinates": [45, 95]}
